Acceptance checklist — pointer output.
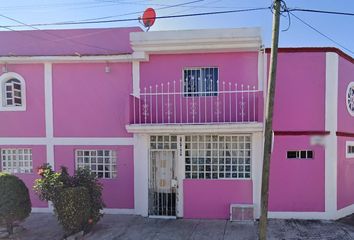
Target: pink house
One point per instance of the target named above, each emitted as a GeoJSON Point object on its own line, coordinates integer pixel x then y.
{"type": "Point", "coordinates": [172, 121]}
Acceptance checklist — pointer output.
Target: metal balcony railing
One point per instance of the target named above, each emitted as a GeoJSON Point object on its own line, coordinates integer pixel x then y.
{"type": "Point", "coordinates": [163, 104]}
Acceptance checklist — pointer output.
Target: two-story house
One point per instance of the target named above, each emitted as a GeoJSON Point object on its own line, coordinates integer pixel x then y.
{"type": "Point", "coordinates": [172, 121]}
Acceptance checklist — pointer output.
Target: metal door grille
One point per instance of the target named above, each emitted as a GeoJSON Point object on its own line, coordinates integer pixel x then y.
{"type": "Point", "coordinates": [162, 183]}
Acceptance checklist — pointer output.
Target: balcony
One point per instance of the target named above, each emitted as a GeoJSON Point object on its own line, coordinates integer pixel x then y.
{"type": "Point", "coordinates": [164, 105]}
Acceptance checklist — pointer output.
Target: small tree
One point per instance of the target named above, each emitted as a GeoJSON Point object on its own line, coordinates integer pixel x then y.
{"type": "Point", "coordinates": [77, 199]}
{"type": "Point", "coordinates": [15, 203]}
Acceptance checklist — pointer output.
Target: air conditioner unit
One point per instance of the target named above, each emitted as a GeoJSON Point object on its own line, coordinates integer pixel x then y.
{"type": "Point", "coordinates": [242, 212]}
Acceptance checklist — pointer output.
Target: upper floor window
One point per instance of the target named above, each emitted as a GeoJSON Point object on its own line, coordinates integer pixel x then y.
{"type": "Point", "coordinates": [350, 98]}
{"type": "Point", "coordinates": [13, 95]}
{"type": "Point", "coordinates": [101, 162]}
{"type": "Point", "coordinates": [16, 160]}
{"type": "Point", "coordinates": [200, 81]}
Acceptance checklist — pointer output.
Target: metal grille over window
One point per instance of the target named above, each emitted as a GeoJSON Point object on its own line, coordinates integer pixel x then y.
{"type": "Point", "coordinates": [163, 142]}
{"type": "Point", "coordinates": [13, 96]}
{"type": "Point", "coordinates": [16, 160]}
{"type": "Point", "coordinates": [218, 157]}
{"type": "Point", "coordinates": [303, 154]}
{"type": "Point", "coordinates": [101, 162]}
{"type": "Point", "coordinates": [201, 81]}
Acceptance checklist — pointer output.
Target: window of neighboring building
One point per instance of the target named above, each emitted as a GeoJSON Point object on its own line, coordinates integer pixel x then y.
{"type": "Point", "coordinates": [300, 154]}
{"type": "Point", "coordinates": [12, 92]}
{"type": "Point", "coordinates": [200, 81]}
{"type": "Point", "coordinates": [349, 149]}
{"type": "Point", "coordinates": [218, 156]}
{"type": "Point", "coordinates": [101, 162]}
{"type": "Point", "coordinates": [16, 160]}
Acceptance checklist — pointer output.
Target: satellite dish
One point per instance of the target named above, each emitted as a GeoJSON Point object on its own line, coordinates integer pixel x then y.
{"type": "Point", "coordinates": [149, 17]}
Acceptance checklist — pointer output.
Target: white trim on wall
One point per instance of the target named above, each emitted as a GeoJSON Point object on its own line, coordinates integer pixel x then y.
{"type": "Point", "coordinates": [118, 211]}
{"type": "Point", "coordinates": [136, 78]}
{"type": "Point", "coordinates": [66, 141]}
{"type": "Point", "coordinates": [331, 98]}
{"type": "Point", "coordinates": [48, 94]}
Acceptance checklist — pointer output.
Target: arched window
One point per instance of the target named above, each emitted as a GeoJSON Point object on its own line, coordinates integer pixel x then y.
{"type": "Point", "coordinates": [13, 95]}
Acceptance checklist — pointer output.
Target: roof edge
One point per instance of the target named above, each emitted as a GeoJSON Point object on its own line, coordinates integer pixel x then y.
{"type": "Point", "coordinates": [315, 49]}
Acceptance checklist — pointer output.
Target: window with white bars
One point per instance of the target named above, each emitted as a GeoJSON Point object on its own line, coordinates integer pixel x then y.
{"type": "Point", "coordinates": [101, 162]}
{"type": "Point", "coordinates": [16, 160]}
{"type": "Point", "coordinates": [200, 81]}
{"type": "Point", "coordinates": [12, 93]}
{"type": "Point", "coordinates": [163, 142]}
{"type": "Point", "coordinates": [218, 157]}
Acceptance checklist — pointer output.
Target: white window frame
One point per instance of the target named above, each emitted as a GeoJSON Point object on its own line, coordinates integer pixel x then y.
{"type": "Point", "coordinates": [347, 153]}
{"type": "Point", "coordinates": [200, 92]}
{"type": "Point", "coordinates": [237, 153]}
{"type": "Point", "coordinates": [12, 158]}
{"type": "Point", "coordinates": [3, 79]}
{"type": "Point", "coordinates": [93, 154]}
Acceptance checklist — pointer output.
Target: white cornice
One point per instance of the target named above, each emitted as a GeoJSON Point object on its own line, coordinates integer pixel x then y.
{"type": "Point", "coordinates": [207, 40]}
{"type": "Point", "coordinates": [136, 56]}
{"type": "Point", "coordinates": [195, 128]}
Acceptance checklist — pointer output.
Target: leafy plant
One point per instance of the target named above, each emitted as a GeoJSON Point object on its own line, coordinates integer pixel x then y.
{"type": "Point", "coordinates": [76, 198]}
{"type": "Point", "coordinates": [15, 203]}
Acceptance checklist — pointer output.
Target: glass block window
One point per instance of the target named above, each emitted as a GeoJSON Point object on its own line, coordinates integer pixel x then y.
{"type": "Point", "coordinates": [163, 142]}
{"type": "Point", "coordinates": [300, 154]}
{"type": "Point", "coordinates": [101, 162]}
{"type": "Point", "coordinates": [16, 160]}
{"type": "Point", "coordinates": [200, 81]}
{"type": "Point", "coordinates": [218, 157]}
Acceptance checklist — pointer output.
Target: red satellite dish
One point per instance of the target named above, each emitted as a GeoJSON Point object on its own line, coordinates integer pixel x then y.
{"type": "Point", "coordinates": [149, 17]}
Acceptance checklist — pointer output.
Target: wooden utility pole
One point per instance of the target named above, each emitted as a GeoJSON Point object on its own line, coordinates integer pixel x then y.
{"type": "Point", "coordinates": [268, 132]}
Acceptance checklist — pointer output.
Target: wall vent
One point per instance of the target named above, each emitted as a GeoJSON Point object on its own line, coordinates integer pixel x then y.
{"type": "Point", "coordinates": [241, 212]}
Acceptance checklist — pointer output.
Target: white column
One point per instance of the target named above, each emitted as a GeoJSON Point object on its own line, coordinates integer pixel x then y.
{"type": "Point", "coordinates": [141, 174]}
{"type": "Point", "coordinates": [261, 69]}
{"type": "Point", "coordinates": [180, 173]}
{"type": "Point", "coordinates": [48, 94]}
{"type": "Point", "coordinates": [136, 78]}
{"type": "Point", "coordinates": [331, 99]}
{"type": "Point", "coordinates": [256, 168]}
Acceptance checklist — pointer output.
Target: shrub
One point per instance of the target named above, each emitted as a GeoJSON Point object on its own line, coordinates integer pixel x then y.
{"type": "Point", "coordinates": [15, 203]}
{"type": "Point", "coordinates": [72, 207]}
{"type": "Point", "coordinates": [60, 187]}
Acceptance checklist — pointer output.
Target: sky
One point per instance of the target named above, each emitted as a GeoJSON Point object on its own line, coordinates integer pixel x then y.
{"type": "Point", "coordinates": [339, 28]}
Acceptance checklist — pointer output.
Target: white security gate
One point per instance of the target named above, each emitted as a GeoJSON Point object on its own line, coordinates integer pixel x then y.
{"type": "Point", "coordinates": [162, 183]}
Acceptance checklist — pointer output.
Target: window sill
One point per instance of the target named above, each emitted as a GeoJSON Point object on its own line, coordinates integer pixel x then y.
{"type": "Point", "coordinates": [12, 109]}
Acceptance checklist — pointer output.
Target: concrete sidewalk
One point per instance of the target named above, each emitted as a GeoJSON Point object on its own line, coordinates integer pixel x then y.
{"type": "Point", "coordinates": [45, 226]}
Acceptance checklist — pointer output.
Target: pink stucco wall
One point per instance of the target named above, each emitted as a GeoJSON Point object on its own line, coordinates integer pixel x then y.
{"type": "Point", "coordinates": [345, 76]}
{"type": "Point", "coordinates": [118, 192]}
{"type": "Point", "coordinates": [211, 199]}
{"type": "Point", "coordinates": [88, 102]}
{"type": "Point", "coordinates": [240, 68]}
{"type": "Point", "coordinates": [300, 92]}
{"type": "Point", "coordinates": [38, 158]}
{"type": "Point", "coordinates": [296, 185]}
{"type": "Point", "coordinates": [29, 123]}
{"type": "Point", "coordinates": [345, 175]}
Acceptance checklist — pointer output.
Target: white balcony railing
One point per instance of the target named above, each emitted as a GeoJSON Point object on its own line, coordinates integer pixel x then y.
{"type": "Point", "coordinates": [163, 104]}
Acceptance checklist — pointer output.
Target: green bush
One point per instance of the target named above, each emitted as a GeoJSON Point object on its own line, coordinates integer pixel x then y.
{"type": "Point", "coordinates": [15, 203]}
{"type": "Point", "coordinates": [72, 207]}
{"type": "Point", "coordinates": [59, 187]}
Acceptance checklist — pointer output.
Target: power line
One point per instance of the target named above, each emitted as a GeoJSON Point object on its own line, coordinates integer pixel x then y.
{"type": "Point", "coordinates": [320, 11]}
{"type": "Point", "coordinates": [135, 19]}
{"type": "Point", "coordinates": [322, 34]}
